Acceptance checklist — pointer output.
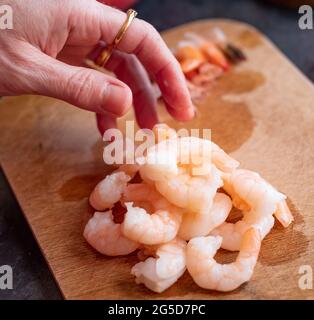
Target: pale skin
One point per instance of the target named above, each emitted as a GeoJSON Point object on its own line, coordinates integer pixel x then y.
{"type": "Point", "coordinates": [44, 55]}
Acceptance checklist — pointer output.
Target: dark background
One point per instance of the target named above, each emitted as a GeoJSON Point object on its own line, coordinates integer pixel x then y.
{"type": "Point", "coordinates": [32, 278]}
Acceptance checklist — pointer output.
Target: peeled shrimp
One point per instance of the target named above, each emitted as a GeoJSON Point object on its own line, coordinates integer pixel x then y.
{"type": "Point", "coordinates": [190, 189]}
{"type": "Point", "coordinates": [108, 191]}
{"type": "Point", "coordinates": [159, 227]}
{"type": "Point", "coordinates": [250, 192]}
{"type": "Point", "coordinates": [193, 193]}
{"type": "Point", "coordinates": [142, 192]}
{"type": "Point", "coordinates": [105, 236]}
{"type": "Point", "coordinates": [129, 169]}
{"type": "Point", "coordinates": [209, 274]}
{"type": "Point", "coordinates": [165, 269]}
{"type": "Point", "coordinates": [162, 159]}
{"type": "Point", "coordinates": [232, 233]}
{"type": "Point", "coordinates": [259, 201]}
{"type": "Point", "coordinates": [201, 224]}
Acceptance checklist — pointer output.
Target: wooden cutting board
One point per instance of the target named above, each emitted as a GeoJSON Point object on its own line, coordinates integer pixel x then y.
{"type": "Point", "coordinates": [262, 112]}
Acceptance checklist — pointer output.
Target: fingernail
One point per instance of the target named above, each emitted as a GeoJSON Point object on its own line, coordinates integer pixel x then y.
{"type": "Point", "coordinates": [191, 113]}
{"type": "Point", "coordinates": [118, 99]}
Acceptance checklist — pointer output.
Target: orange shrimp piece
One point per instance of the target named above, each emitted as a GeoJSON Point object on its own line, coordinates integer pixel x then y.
{"type": "Point", "coordinates": [214, 55]}
{"type": "Point", "coordinates": [190, 58]}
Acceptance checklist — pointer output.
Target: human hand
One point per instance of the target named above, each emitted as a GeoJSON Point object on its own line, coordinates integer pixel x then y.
{"type": "Point", "coordinates": [120, 4]}
{"type": "Point", "coordinates": [44, 55]}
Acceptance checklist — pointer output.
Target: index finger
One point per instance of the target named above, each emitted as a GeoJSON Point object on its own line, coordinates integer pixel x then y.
{"type": "Point", "coordinates": [145, 42]}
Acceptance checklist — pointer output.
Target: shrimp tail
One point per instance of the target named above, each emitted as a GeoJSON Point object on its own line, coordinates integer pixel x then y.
{"type": "Point", "coordinates": [283, 214]}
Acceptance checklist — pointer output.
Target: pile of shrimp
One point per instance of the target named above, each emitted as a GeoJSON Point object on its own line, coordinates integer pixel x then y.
{"type": "Point", "coordinates": [204, 59]}
{"type": "Point", "coordinates": [174, 214]}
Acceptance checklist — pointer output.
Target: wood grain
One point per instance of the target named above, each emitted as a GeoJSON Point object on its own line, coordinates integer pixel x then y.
{"type": "Point", "coordinates": [262, 112]}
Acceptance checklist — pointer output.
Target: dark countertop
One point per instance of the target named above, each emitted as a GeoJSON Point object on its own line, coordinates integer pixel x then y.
{"type": "Point", "coordinates": [32, 278]}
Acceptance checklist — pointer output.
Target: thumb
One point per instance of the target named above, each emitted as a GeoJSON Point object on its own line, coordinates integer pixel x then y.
{"type": "Point", "coordinates": [85, 88]}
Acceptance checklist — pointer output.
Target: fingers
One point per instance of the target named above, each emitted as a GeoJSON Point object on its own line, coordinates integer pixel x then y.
{"type": "Point", "coordinates": [82, 87]}
{"type": "Point", "coordinates": [105, 122]}
{"type": "Point", "coordinates": [121, 4]}
{"type": "Point", "coordinates": [145, 42]}
{"type": "Point", "coordinates": [129, 70]}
